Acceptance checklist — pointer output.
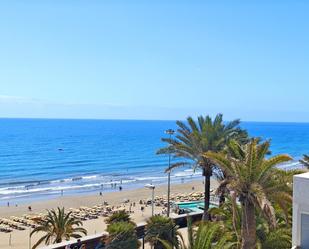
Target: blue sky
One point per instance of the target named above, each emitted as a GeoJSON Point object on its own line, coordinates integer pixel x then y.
{"type": "Point", "coordinates": [155, 59]}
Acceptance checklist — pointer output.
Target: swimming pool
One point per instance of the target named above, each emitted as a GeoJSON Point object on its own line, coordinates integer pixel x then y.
{"type": "Point", "coordinates": [193, 206]}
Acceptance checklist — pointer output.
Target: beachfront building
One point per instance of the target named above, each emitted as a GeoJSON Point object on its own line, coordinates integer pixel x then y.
{"type": "Point", "coordinates": [300, 232]}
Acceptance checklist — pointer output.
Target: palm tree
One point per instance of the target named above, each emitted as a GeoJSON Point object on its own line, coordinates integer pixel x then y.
{"type": "Point", "coordinates": [58, 226]}
{"type": "Point", "coordinates": [119, 216]}
{"type": "Point", "coordinates": [229, 216]}
{"type": "Point", "coordinates": [256, 182]}
{"type": "Point", "coordinates": [279, 238]}
{"type": "Point", "coordinates": [207, 236]}
{"type": "Point", "coordinates": [211, 236]}
{"type": "Point", "coordinates": [305, 161]}
{"type": "Point", "coordinates": [194, 139]}
{"type": "Point", "coordinates": [122, 235]}
{"type": "Point", "coordinates": [269, 238]}
{"type": "Point", "coordinates": [283, 201]}
{"type": "Point", "coordinates": [161, 228]}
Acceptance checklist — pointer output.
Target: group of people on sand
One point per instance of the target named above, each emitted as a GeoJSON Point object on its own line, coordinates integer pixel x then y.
{"type": "Point", "coordinates": [114, 185]}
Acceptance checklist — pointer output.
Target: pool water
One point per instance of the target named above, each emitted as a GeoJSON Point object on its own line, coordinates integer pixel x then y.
{"type": "Point", "coordinates": [193, 206]}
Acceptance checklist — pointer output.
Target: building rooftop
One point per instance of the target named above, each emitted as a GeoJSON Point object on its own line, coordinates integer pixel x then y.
{"type": "Point", "coordinates": [304, 175]}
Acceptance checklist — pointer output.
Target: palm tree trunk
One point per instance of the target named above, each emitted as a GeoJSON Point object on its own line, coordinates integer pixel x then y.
{"type": "Point", "coordinates": [248, 226]}
{"type": "Point", "coordinates": [221, 199]}
{"type": "Point", "coordinates": [235, 218]}
{"type": "Point", "coordinates": [207, 174]}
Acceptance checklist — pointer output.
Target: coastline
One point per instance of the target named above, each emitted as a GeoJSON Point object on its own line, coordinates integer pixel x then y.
{"type": "Point", "coordinates": [43, 157]}
{"type": "Point", "coordinates": [87, 185]}
{"type": "Point", "coordinates": [20, 239]}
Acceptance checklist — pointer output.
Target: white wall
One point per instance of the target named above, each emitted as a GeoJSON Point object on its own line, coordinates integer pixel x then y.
{"type": "Point", "coordinates": [300, 204]}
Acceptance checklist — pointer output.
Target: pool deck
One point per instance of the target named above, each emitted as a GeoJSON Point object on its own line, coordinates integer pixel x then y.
{"type": "Point", "coordinates": [195, 209]}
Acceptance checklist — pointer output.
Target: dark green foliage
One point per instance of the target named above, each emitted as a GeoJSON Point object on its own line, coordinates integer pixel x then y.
{"type": "Point", "coordinates": [119, 216]}
{"type": "Point", "coordinates": [122, 235]}
{"type": "Point", "coordinates": [161, 228]}
{"type": "Point", "coordinates": [208, 235]}
{"type": "Point", "coordinates": [278, 239]}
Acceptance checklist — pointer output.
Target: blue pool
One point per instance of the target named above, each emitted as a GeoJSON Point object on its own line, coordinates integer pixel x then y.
{"type": "Point", "coordinates": [193, 206]}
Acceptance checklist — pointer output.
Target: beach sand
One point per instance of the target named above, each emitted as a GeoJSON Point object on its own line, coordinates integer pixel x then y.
{"type": "Point", "coordinates": [20, 239]}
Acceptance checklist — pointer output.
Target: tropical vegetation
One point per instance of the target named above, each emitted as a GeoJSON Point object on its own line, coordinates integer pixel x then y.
{"type": "Point", "coordinates": [57, 227]}
{"type": "Point", "coordinates": [122, 235]}
{"type": "Point", "coordinates": [119, 216]}
{"type": "Point", "coordinates": [161, 228]}
{"type": "Point", "coordinates": [229, 216]}
{"type": "Point", "coordinates": [256, 182]}
{"type": "Point", "coordinates": [195, 138]}
{"type": "Point", "coordinates": [207, 236]}
{"type": "Point", "coordinates": [255, 210]}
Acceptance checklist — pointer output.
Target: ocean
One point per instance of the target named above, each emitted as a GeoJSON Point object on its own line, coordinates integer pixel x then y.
{"type": "Point", "coordinates": [44, 158]}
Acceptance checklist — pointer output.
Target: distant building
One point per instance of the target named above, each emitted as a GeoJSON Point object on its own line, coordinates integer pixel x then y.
{"type": "Point", "coordinates": [300, 230]}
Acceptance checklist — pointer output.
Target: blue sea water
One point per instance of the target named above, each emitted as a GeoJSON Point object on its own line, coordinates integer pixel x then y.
{"type": "Point", "coordinates": [39, 158]}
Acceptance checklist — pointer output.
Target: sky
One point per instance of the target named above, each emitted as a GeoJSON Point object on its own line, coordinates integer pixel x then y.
{"type": "Point", "coordinates": [155, 59]}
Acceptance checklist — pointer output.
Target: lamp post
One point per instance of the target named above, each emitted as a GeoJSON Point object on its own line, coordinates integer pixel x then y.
{"type": "Point", "coordinates": [170, 132]}
{"type": "Point", "coordinates": [152, 187]}
{"type": "Point", "coordinates": [143, 239]}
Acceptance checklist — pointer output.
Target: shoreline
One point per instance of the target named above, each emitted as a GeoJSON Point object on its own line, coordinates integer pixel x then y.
{"type": "Point", "coordinates": [107, 188]}
{"type": "Point", "coordinates": [94, 184]}
{"type": "Point", "coordinates": [87, 184]}
{"type": "Point", "coordinates": [20, 239]}
{"type": "Point", "coordinates": [91, 199]}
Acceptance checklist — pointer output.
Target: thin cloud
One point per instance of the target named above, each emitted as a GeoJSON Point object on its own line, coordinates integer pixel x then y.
{"type": "Point", "coordinates": [7, 99]}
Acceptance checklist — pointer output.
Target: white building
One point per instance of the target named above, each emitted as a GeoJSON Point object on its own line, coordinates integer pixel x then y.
{"type": "Point", "coordinates": [300, 230]}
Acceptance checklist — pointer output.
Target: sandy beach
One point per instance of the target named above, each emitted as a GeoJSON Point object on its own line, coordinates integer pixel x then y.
{"type": "Point", "coordinates": [20, 239]}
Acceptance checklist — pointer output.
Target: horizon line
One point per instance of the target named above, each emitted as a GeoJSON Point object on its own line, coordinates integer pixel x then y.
{"type": "Point", "coordinates": [137, 119]}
